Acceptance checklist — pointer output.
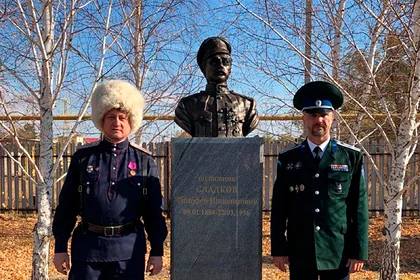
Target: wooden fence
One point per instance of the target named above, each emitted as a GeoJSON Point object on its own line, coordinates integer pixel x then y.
{"type": "Point", "coordinates": [18, 192]}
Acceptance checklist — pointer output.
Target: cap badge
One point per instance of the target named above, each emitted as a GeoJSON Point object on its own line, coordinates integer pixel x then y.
{"type": "Point", "coordinates": [318, 103]}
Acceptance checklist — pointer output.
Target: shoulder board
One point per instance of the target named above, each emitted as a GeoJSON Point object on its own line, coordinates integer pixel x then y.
{"type": "Point", "coordinates": [88, 145]}
{"type": "Point", "coordinates": [134, 145]}
{"type": "Point", "coordinates": [241, 95]}
{"type": "Point", "coordinates": [191, 96]}
{"type": "Point", "coordinates": [348, 146]}
{"type": "Point", "coordinates": [291, 148]}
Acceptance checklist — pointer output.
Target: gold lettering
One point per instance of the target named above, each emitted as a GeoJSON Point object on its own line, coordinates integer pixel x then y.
{"type": "Point", "coordinates": [217, 189]}
{"type": "Point", "coordinates": [216, 179]}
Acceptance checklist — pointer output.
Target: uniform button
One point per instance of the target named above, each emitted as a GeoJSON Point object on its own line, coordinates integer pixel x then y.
{"type": "Point", "coordinates": [112, 183]}
{"type": "Point", "coordinates": [316, 192]}
{"type": "Point", "coordinates": [113, 168]}
{"type": "Point", "coordinates": [317, 228]}
{"type": "Point", "coordinates": [114, 149]}
{"type": "Point", "coordinates": [317, 210]}
{"type": "Point", "coordinates": [316, 175]}
{"type": "Point", "coordinates": [87, 183]}
{"type": "Point", "coordinates": [114, 155]}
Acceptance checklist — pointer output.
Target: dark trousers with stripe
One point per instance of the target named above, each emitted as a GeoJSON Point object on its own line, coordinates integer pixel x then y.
{"type": "Point", "coordinates": [299, 273]}
{"type": "Point", "coordinates": [121, 270]}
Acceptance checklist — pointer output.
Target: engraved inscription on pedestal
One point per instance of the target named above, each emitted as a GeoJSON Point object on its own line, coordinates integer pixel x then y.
{"type": "Point", "coordinates": [216, 209]}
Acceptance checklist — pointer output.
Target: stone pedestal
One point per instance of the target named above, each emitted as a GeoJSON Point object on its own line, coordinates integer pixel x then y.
{"type": "Point", "coordinates": [216, 201]}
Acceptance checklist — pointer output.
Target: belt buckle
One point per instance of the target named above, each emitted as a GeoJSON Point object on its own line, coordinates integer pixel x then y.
{"type": "Point", "coordinates": [109, 234]}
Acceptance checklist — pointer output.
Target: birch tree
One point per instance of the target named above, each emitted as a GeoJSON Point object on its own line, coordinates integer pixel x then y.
{"type": "Point", "coordinates": [37, 44]}
{"type": "Point", "coordinates": [365, 29]}
{"type": "Point", "coordinates": [53, 50]}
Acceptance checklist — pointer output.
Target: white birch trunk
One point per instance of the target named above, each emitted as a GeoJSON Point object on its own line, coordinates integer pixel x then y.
{"type": "Point", "coordinates": [42, 230]}
{"type": "Point", "coordinates": [393, 198]}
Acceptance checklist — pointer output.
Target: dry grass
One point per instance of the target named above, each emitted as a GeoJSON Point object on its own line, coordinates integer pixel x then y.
{"type": "Point", "coordinates": [16, 250]}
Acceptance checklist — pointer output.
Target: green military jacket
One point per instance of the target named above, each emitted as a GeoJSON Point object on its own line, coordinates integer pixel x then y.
{"type": "Point", "coordinates": [319, 215]}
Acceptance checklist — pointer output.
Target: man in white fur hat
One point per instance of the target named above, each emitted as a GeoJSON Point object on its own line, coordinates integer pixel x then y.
{"type": "Point", "coordinates": [111, 184]}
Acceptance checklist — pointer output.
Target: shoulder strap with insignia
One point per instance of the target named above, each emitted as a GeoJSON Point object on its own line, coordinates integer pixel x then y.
{"type": "Point", "coordinates": [348, 146]}
{"type": "Point", "coordinates": [138, 147]}
{"type": "Point", "coordinates": [291, 148]}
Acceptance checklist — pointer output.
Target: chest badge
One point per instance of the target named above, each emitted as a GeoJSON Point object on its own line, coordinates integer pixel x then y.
{"type": "Point", "coordinates": [291, 188]}
{"type": "Point", "coordinates": [301, 187]}
{"type": "Point", "coordinates": [289, 166]}
{"type": "Point", "coordinates": [298, 165]}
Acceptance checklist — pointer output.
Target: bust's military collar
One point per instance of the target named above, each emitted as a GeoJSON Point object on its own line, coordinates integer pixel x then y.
{"type": "Point", "coordinates": [217, 89]}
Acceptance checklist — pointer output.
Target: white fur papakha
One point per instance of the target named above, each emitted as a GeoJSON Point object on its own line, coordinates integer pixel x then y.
{"type": "Point", "coordinates": [117, 94]}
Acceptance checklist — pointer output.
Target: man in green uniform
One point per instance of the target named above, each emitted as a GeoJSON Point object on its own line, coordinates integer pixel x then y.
{"type": "Point", "coordinates": [319, 218]}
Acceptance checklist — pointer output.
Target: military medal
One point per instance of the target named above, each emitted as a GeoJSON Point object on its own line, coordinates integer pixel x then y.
{"type": "Point", "coordinates": [301, 187]}
{"type": "Point", "coordinates": [132, 166]}
{"type": "Point", "coordinates": [89, 169]}
{"type": "Point", "coordinates": [291, 188]}
{"type": "Point", "coordinates": [298, 165]}
{"type": "Point", "coordinates": [297, 188]}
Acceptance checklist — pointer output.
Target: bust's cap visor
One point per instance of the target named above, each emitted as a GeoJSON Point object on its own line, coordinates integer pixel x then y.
{"type": "Point", "coordinates": [318, 97]}
{"type": "Point", "coordinates": [212, 46]}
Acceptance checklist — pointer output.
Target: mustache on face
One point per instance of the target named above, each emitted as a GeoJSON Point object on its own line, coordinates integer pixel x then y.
{"type": "Point", "coordinates": [319, 125]}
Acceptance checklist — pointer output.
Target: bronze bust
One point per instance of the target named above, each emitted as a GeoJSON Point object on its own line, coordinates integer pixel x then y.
{"type": "Point", "coordinates": [216, 111]}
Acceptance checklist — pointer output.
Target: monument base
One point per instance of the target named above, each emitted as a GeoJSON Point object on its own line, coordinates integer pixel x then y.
{"type": "Point", "coordinates": [216, 223]}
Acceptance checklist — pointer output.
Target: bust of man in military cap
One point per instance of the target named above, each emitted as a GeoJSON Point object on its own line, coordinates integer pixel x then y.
{"type": "Point", "coordinates": [216, 111]}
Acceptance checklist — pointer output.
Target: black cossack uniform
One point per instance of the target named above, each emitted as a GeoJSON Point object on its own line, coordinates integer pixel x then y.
{"type": "Point", "coordinates": [119, 185]}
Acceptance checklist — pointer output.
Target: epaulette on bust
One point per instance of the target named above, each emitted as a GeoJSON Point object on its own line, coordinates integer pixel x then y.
{"type": "Point", "coordinates": [291, 148]}
{"type": "Point", "coordinates": [241, 95]}
{"type": "Point", "coordinates": [348, 146]}
{"type": "Point", "coordinates": [185, 98]}
{"type": "Point", "coordinates": [134, 145]}
{"type": "Point", "coordinates": [88, 145]}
